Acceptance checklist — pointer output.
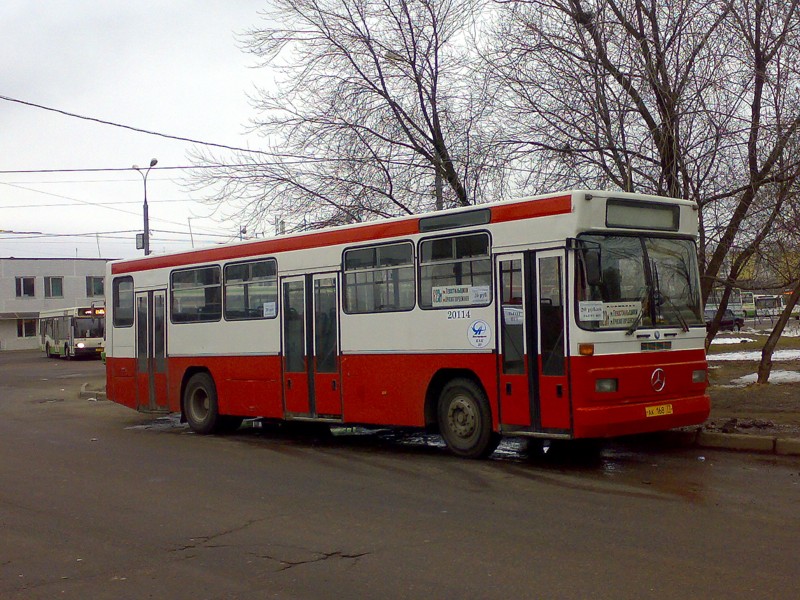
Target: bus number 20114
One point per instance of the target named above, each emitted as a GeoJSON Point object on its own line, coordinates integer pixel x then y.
{"type": "Point", "coordinates": [458, 314]}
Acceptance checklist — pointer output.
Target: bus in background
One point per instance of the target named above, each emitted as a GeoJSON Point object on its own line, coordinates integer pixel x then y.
{"type": "Point", "coordinates": [735, 301]}
{"type": "Point", "coordinates": [770, 306]}
{"type": "Point", "coordinates": [76, 331]}
{"type": "Point", "coordinates": [569, 315]}
{"type": "Point", "coordinates": [749, 304]}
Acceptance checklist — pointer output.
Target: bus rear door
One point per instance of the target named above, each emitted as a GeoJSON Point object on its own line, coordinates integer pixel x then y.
{"type": "Point", "coordinates": [151, 355]}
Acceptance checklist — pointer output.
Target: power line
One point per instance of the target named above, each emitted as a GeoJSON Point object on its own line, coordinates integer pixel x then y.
{"type": "Point", "coordinates": [117, 169]}
{"type": "Point", "coordinates": [30, 235]}
{"type": "Point", "coordinates": [129, 127]}
{"type": "Point", "coordinates": [103, 204]}
{"type": "Point", "coordinates": [85, 202]}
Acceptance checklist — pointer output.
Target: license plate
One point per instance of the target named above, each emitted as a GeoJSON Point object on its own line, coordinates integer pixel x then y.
{"type": "Point", "coordinates": [658, 411]}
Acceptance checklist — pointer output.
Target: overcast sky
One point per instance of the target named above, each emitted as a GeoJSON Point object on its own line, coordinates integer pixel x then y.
{"type": "Point", "coordinates": [171, 67]}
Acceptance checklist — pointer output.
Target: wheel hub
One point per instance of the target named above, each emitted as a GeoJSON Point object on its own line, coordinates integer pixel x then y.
{"type": "Point", "coordinates": [462, 417]}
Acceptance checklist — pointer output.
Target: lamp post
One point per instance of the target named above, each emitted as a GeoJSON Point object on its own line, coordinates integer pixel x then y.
{"type": "Point", "coordinates": [146, 235]}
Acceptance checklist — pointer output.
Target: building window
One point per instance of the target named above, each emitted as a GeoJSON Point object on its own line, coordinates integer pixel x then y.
{"type": "Point", "coordinates": [251, 290]}
{"type": "Point", "coordinates": [95, 287]}
{"type": "Point", "coordinates": [122, 301]}
{"type": "Point", "coordinates": [53, 287]}
{"type": "Point", "coordinates": [25, 288]}
{"type": "Point", "coordinates": [379, 278]}
{"type": "Point", "coordinates": [455, 271]}
{"type": "Point", "coordinates": [196, 295]}
{"type": "Point", "coordinates": [26, 328]}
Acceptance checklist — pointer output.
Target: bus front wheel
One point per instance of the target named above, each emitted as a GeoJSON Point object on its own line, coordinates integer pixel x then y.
{"type": "Point", "coordinates": [465, 420]}
{"type": "Point", "coordinates": [200, 404]}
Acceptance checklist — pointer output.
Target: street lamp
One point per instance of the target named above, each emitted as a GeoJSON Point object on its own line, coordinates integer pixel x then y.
{"type": "Point", "coordinates": [146, 236]}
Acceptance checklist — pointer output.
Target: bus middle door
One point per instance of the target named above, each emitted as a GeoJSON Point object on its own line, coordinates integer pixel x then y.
{"type": "Point", "coordinates": [517, 405]}
{"type": "Point", "coordinates": [310, 322]}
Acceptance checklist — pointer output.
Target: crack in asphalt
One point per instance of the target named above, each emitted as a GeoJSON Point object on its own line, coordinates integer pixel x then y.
{"type": "Point", "coordinates": [321, 556]}
{"type": "Point", "coordinates": [206, 543]}
{"type": "Point", "coordinates": [203, 540]}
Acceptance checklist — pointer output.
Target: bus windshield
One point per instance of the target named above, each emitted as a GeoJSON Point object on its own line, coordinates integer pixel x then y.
{"type": "Point", "coordinates": [89, 327]}
{"type": "Point", "coordinates": [642, 281]}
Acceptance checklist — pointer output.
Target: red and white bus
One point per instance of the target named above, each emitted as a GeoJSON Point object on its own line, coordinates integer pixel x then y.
{"type": "Point", "coordinates": [569, 315]}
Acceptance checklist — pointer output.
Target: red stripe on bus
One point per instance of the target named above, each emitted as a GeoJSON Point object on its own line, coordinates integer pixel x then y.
{"type": "Point", "coordinates": [534, 208]}
{"type": "Point", "coordinates": [272, 246]}
{"type": "Point", "coordinates": [542, 207]}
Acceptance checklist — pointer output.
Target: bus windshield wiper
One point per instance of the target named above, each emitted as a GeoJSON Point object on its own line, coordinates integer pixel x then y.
{"type": "Point", "coordinates": [659, 297]}
{"type": "Point", "coordinates": [676, 310]}
{"type": "Point", "coordinates": [644, 300]}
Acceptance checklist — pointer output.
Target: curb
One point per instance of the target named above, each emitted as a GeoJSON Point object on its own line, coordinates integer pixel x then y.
{"type": "Point", "coordinates": [744, 442]}
{"type": "Point", "coordinates": [700, 438]}
{"type": "Point", "coordinates": [88, 394]}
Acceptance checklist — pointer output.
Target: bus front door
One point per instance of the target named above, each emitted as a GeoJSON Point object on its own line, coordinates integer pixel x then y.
{"type": "Point", "coordinates": [534, 393]}
{"type": "Point", "coordinates": [310, 323]}
{"type": "Point", "coordinates": [151, 355]}
{"type": "Point", "coordinates": [552, 379]}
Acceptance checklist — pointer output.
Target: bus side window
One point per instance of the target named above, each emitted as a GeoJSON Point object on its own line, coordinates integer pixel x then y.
{"type": "Point", "coordinates": [461, 263]}
{"type": "Point", "coordinates": [122, 301]}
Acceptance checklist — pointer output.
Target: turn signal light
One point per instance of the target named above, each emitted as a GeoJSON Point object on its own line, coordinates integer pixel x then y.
{"type": "Point", "coordinates": [699, 376]}
{"type": "Point", "coordinates": [586, 349]}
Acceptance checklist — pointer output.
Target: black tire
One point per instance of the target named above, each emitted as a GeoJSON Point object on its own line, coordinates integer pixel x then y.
{"type": "Point", "coordinates": [200, 405]}
{"type": "Point", "coordinates": [465, 420]}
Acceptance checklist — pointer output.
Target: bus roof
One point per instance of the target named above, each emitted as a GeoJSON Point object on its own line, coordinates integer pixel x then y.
{"type": "Point", "coordinates": [507, 210]}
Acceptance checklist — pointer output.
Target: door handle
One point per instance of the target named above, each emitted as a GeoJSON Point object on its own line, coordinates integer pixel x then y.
{"type": "Point", "coordinates": [559, 391]}
{"type": "Point", "coordinates": [288, 384]}
{"type": "Point", "coordinates": [333, 385]}
{"type": "Point", "coordinates": [508, 389]}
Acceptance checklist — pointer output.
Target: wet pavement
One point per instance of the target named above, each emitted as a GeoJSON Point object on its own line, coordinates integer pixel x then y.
{"type": "Point", "coordinates": [99, 501]}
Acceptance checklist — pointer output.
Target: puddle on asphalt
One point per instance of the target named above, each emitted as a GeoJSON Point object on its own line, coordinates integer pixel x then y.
{"type": "Point", "coordinates": [162, 423]}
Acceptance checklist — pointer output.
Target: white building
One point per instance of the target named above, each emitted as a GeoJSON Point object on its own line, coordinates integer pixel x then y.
{"type": "Point", "coordinates": [31, 285]}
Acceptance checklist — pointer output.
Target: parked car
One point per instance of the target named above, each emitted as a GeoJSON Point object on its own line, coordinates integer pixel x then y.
{"type": "Point", "coordinates": [730, 322]}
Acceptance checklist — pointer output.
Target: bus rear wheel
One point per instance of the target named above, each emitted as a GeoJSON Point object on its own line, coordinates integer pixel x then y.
{"type": "Point", "coordinates": [465, 420]}
{"type": "Point", "coordinates": [200, 405]}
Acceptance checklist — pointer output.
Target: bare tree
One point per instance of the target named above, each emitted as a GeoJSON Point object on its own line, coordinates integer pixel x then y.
{"type": "Point", "coordinates": [690, 98]}
{"type": "Point", "coordinates": [767, 34]}
{"type": "Point", "coordinates": [612, 92]}
{"type": "Point", "coordinates": [375, 111]}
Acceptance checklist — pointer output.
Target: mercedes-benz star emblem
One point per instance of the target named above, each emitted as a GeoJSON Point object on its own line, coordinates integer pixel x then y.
{"type": "Point", "coordinates": [658, 380]}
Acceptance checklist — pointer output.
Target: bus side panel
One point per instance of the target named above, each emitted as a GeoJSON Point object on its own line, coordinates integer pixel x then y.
{"type": "Point", "coordinates": [606, 414]}
{"type": "Point", "coordinates": [247, 386]}
{"type": "Point", "coordinates": [120, 381]}
{"type": "Point", "coordinates": [389, 389]}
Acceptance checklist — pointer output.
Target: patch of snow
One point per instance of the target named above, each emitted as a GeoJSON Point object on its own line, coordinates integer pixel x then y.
{"type": "Point", "coordinates": [734, 340]}
{"type": "Point", "coordinates": [779, 355]}
{"type": "Point", "coordinates": [774, 377]}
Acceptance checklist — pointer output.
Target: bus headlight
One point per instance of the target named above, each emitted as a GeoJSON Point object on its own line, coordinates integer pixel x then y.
{"type": "Point", "coordinates": [605, 385]}
{"type": "Point", "coordinates": [699, 376]}
{"type": "Point", "coordinates": [80, 344]}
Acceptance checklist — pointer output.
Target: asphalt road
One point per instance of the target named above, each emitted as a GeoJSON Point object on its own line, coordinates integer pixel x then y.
{"type": "Point", "coordinates": [97, 501]}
